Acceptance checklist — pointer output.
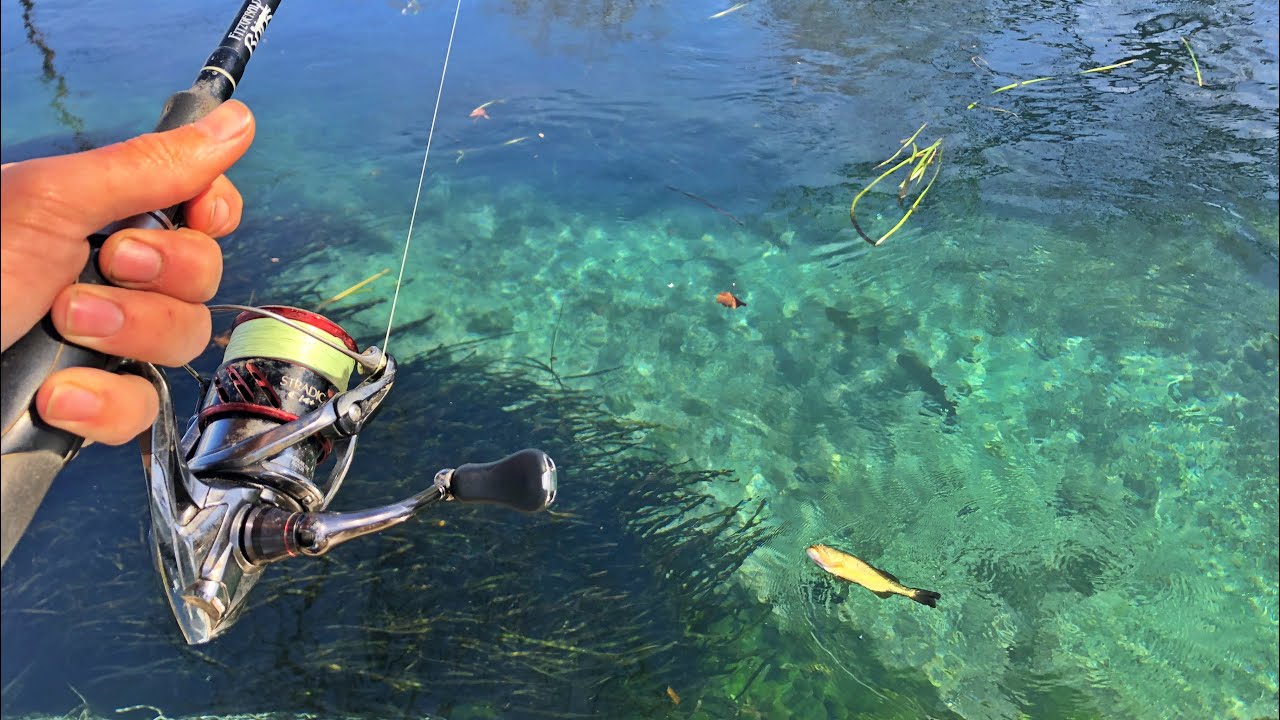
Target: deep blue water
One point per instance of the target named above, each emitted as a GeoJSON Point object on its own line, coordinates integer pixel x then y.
{"type": "Point", "coordinates": [1051, 397]}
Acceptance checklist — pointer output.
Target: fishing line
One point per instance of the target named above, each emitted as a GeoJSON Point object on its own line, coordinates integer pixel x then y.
{"type": "Point", "coordinates": [404, 258]}
{"type": "Point", "coordinates": [268, 338]}
{"type": "Point", "coordinates": [369, 360]}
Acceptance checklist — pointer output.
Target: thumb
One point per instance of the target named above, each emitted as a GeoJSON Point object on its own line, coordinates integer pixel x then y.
{"type": "Point", "coordinates": [150, 172]}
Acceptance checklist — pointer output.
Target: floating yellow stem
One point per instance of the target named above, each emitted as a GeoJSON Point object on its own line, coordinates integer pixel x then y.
{"type": "Point", "coordinates": [1105, 68]}
{"type": "Point", "coordinates": [1020, 83]}
{"type": "Point", "coordinates": [722, 13]}
{"type": "Point", "coordinates": [909, 141]}
{"type": "Point", "coordinates": [1023, 83]}
{"type": "Point", "coordinates": [1194, 62]}
{"type": "Point", "coordinates": [352, 289]}
{"type": "Point", "coordinates": [460, 153]}
{"type": "Point", "coordinates": [921, 159]}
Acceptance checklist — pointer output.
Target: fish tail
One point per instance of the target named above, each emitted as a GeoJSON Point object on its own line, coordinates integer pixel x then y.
{"type": "Point", "coordinates": [924, 597]}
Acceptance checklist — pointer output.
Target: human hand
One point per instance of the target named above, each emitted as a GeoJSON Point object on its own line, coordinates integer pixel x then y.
{"type": "Point", "coordinates": [49, 206]}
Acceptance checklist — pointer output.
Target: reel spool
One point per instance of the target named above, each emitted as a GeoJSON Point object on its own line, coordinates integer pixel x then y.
{"type": "Point", "coordinates": [272, 374]}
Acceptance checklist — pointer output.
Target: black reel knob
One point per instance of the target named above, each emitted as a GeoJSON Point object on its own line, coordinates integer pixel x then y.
{"type": "Point", "coordinates": [525, 480]}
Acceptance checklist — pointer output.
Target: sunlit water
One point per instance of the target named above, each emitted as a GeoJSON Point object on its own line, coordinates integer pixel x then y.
{"type": "Point", "coordinates": [1051, 397]}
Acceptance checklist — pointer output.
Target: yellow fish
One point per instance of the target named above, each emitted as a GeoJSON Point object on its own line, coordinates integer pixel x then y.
{"type": "Point", "coordinates": [845, 566]}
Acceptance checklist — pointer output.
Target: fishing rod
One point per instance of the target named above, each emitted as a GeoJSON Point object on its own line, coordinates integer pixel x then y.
{"type": "Point", "coordinates": [236, 491]}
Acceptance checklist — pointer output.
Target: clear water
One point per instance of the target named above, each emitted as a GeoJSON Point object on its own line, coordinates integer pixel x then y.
{"type": "Point", "coordinates": [1052, 397]}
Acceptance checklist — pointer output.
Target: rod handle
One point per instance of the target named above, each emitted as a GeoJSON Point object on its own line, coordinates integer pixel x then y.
{"type": "Point", "coordinates": [27, 476]}
{"type": "Point", "coordinates": [39, 450]}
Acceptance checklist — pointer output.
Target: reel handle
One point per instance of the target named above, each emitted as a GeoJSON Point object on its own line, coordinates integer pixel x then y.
{"type": "Point", "coordinates": [524, 480]}
{"type": "Point", "coordinates": [33, 453]}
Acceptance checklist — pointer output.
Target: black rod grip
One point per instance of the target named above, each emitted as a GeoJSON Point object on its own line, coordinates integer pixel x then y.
{"type": "Point", "coordinates": [525, 480]}
{"type": "Point", "coordinates": [31, 451]}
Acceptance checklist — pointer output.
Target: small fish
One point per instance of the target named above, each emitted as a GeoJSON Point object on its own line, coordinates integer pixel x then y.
{"type": "Point", "coordinates": [672, 694]}
{"type": "Point", "coordinates": [883, 584]}
{"type": "Point", "coordinates": [729, 300]}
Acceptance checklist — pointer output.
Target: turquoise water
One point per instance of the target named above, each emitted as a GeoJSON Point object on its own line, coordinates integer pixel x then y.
{"type": "Point", "coordinates": [1051, 397]}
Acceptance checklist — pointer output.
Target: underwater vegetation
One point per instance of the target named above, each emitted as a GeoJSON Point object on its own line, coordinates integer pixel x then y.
{"type": "Point", "coordinates": [1010, 419]}
{"type": "Point", "coordinates": [613, 596]}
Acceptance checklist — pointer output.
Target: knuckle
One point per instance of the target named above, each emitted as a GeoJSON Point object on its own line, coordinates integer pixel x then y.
{"type": "Point", "coordinates": [202, 271]}
{"type": "Point", "coordinates": [143, 406]}
{"type": "Point", "coordinates": [153, 151]}
{"type": "Point", "coordinates": [46, 204]}
{"type": "Point", "coordinates": [192, 327]}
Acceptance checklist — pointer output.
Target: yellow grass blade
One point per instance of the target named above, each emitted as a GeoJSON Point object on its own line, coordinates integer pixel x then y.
{"type": "Point", "coordinates": [352, 289]}
{"type": "Point", "coordinates": [1105, 68]}
{"type": "Point", "coordinates": [922, 160]}
{"type": "Point", "coordinates": [905, 143]}
{"type": "Point", "coordinates": [1194, 62]}
{"type": "Point", "coordinates": [722, 13]}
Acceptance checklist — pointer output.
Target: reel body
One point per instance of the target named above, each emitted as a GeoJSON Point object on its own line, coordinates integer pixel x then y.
{"type": "Point", "coordinates": [237, 492]}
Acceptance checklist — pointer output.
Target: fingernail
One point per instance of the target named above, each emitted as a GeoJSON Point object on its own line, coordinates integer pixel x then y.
{"type": "Point", "coordinates": [72, 403]}
{"type": "Point", "coordinates": [135, 261]}
{"type": "Point", "coordinates": [219, 216]}
{"type": "Point", "coordinates": [91, 316]}
{"type": "Point", "coordinates": [224, 123]}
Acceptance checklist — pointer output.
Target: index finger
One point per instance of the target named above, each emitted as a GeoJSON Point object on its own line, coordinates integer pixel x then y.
{"type": "Point", "coordinates": [216, 210]}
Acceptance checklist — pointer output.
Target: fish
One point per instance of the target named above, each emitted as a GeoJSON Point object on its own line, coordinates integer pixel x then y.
{"type": "Point", "coordinates": [481, 112]}
{"type": "Point", "coordinates": [729, 300]}
{"type": "Point", "coordinates": [675, 698]}
{"type": "Point", "coordinates": [883, 584]}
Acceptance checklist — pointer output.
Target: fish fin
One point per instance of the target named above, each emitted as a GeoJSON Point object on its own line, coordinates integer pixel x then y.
{"type": "Point", "coordinates": [739, 303]}
{"type": "Point", "coordinates": [925, 597]}
{"type": "Point", "coordinates": [884, 595]}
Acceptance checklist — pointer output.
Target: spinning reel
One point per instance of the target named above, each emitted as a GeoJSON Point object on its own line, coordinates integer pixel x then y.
{"type": "Point", "coordinates": [237, 492]}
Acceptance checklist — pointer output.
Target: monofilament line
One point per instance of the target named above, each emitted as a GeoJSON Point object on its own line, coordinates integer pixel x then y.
{"type": "Point", "coordinates": [422, 176]}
